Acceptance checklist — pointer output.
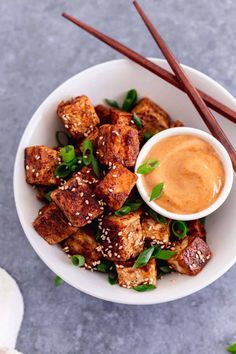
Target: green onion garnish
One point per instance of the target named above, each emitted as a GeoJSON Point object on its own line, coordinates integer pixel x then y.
{"type": "Point", "coordinates": [112, 277]}
{"type": "Point", "coordinates": [144, 287]}
{"type": "Point", "coordinates": [232, 348]}
{"type": "Point", "coordinates": [63, 170]}
{"type": "Point", "coordinates": [47, 195]}
{"type": "Point", "coordinates": [95, 166]}
{"type": "Point", "coordinates": [148, 166]}
{"type": "Point", "coordinates": [104, 266]}
{"type": "Point", "coordinates": [147, 136]}
{"type": "Point", "coordinates": [165, 269]}
{"type": "Point", "coordinates": [156, 192]}
{"type": "Point", "coordinates": [157, 217]}
{"type": "Point", "coordinates": [62, 138]}
{"type": "Point", "coordinates": [78, 260]}
{"type": "Point", "coordinates": [87, 150]}
{"type": "Point", "coordinates": [67, 153]}
{"type": "Point", "coordinates": [179, 229]}
{"type": "Point", "coordinates": [130, 100]}
{"type": "Point", "coordinates": [98, 234]}
{"type": "Point", "coordinates": [164, 255]}
{"type": "Point", "coordinates": [123, 211]}
{"type": "Point", "coordinates": [57, 281]}
{"type": "Point", "coordinates": [112, 103]}
{"type": "Point", "coordinates": [137, 120]}
{"type": "Point", "coordinates": [144, 257]}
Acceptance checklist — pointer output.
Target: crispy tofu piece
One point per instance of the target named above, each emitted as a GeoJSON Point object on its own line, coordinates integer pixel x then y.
{"type": "Point", "coordinates": [192, 254]}
{"type": "Point", "coordinates": [117, 143]}
{"type": "Point", "coordinates": [121, 117]}
{"type": "Point", "coordinates": [152, 116]}
{"type": "Point", "coordinates": [93, 137]}
{"type": "Point", "coordinates": [78, 116]}
{"type": "Point", "coordinates": [155, 232]}
{"type": "Point", "coordinates": [116, 186]}
{"type": "Point", "coordinates": [122, 236]}
{"type": "Point", "coordinates": [177, 123]}
{"type": "Point", "coordinates": [40, 164]}
{"type": "Point", "coordinates": [77, 201]}
{"type": "Point", "coordinates": [52, 225]}
{"type": "Point", "coordinates": [83, 242]}
{"type": "Point", "coordinates": [104, 113]}
{"type": "Point", "coordinates": [87, 175]}
{"type": "Point", "coordinates": [129, 277]}
{"type": "Point", "coordinates": [196, 228]}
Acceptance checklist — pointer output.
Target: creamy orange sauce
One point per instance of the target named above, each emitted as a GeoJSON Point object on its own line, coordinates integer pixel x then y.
{"type": "Point", "coordinates": [191, 170]}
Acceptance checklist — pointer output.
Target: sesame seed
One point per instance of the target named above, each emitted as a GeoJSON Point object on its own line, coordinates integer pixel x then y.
{"type": "Point", "coordinates": [90, 214]}
{"type": "Point", "coordinates": [27, 167]}
{"type": "Point", "coordinates": [66, 125]}
{"type": "Point", "coordinates": [86, 201]}
{"type": "Point", "coordinates": [33, 170]}
{"type": "Point", "coordinates": [37, 174]}
{"type": "Point", "coordinates": [77, 213]}
{"type": "Point", "coordinates": [110, 190]}
{"type": "Point", "coordinates": [114, 175]}
{"type": "Point", "coordinates": [81, 194]}
{"type": "Point", "coordinates": [69, 223]}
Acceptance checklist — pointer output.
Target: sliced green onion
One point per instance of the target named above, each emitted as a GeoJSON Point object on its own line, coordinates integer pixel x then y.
{"type": "Point", "coordinates": [98, 234]}
{"type": "Point", "coordinates": [130, 100]}
{"type": "Point", "coordinates": [95, 165]}
{"type": "Point", "coordinates": [232, 348]}
{"type": "Point", "coordinates": [47, 195]}
{"type": "Point", "coordinates": [134, 204]}
{"type": "Point", "coordinates": [112, 277]}
{"type": "Point", "coordinates": [203, 221]}
{"type": "Point", "coordinates": [165, 269]}
{"type": "Point", "coordinates": [104, 266]}
{"type": "Point", "coordinates": [148, 166]}
{"type": "Point", "coordinates": [62, 138]}
{"type": "Point", "coordinates": [137, 120]}
{"type": "Point", "coordinates": [63, 170]}
{"type": "Point", "coordinates": [144, 287]}
{"type": "Point", "coordinates": [78, 260]}
{"type": "Point", "coordinates": [147, 136]}
{"type": "Point", "coordinates": [57, 281]}
{"type": "Point", "coordinates": [157, 217]}
{"type": "Point", "coordinates": [156, 192]}
{"type": "Point", "coordinates": [67, 153]}
{"type": "Point", "coordinates": [162, 254]}
{"type": "Point", "coordinates": [144, 257]}
{"type": "Point", "coordinates": [112, 103]}
{"type": "Point", "coordinates": [87, 149]}
{"type": "Point", "coordinates": [179, 229]}
{"type": "Point", "coordinates": [123, 211]}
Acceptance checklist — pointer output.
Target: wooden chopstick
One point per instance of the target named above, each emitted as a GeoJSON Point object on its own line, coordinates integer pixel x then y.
{"type": "Point", "coordinates": [191, 91]}
{"type": "Point", "coordinates": [154, 68]}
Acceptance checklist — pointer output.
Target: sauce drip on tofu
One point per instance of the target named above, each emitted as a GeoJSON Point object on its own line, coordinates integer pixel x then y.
{"type": "Point", "coordinates": [191, 170]}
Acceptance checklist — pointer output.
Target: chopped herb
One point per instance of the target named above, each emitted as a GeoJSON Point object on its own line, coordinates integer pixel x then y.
{"type": "Point", "coordinates": [165, 269]}
{"type": "Point", "coordinates": [130, 100]}
{"type": "Point", "coordinates": [156, 192]}
{"type": "Point", "coordinates": [104, 266]}
{"type": "Point", "coordinates": [203, 221]}
{"type": "Point", "coordinates": [95, 166]}
{"type": "Point", "coordinates": [47, 195]}
{"type": "Point", "coordinates": [157, 217]}
{"type": "Point", "coordinates": [147, 136]}
{"type": "Point", "coordinates": [137, 120]}
{"type": "Point", "coordinates": [134, 204]}
{"type": "Point", "coordinates": [87, 149]}
{"type": "Point", "coordinates": [63, 170]}
{"type": "Point", "coordinates": [67, 153]}
{"type": "Point", "coordinates": [232, 348]}
{"type": "Point", "coordinates": [162, 254]}
{"type": "Point", "coordinates": [123, 211]}
{"type": "Point", "coordinates": [57, 281]}
{"type": "Point", "coordinates": [179, 229]}
{"type": "Point", "coordinates": [62, 138]}
{"type": "Point", "coordinates": [148, 166]}
{"type": "Point", "coordinates": [144, 287]}
{"type": "Point", "coordinates": [78, 260]}
{"type": "Point", "coordinates": [112, 103]}
{"type": "Point", "coordinates": [112, 277]}
{"type": "Point", "coordinates": [144, 257]}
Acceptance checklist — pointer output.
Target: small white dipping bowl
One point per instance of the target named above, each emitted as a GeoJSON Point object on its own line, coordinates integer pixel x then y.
{"type": "Point", "coordinates": [219, 148]}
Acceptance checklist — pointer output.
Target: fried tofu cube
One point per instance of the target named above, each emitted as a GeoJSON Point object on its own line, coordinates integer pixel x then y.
{"type": "Point", "coordinates": [129, 277]}
{"type": "Point", "coordinates": [52, 225]}
{"type": "Point", "coordinates": [117, 143]}
{"type": "Point", "coordinates": [121, 117]}
{"type": "Point", "coordinates": [177, 123]}
{"type": "Point", "coordinates": [77, 201]}
{"type": "Point", "coordinates": [104, 113]}
{"type": "Point", "coordinates": [116, 186]}
{"type": "Point", "coordinates": [122, 236]}
{"type": "Point", "coordinates": [192, 254]}
{"type": "Point", "coordinates": [155, 232]}
{"type": "Point", "coordinates": [87, 175]}
{"type": "Point", "coordinates": [40, 164]}
{"type": "Point", "coordinates": [78, 116]}
{"type": "Point", "coordinates": [196, 228]}
{"type": "Point", "coordinates": [152, 116]}
{"type": "Point", "coordinates": [83, 243]}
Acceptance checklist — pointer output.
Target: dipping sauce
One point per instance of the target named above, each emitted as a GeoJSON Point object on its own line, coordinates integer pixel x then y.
{"type": "Point", "coordinates": [191, 170]}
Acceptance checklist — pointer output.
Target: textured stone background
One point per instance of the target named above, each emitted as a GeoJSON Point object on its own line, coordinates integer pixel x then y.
{"type": "Point", "coordinates": [39, 50]}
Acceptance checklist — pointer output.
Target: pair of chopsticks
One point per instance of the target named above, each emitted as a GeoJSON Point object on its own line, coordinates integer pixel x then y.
{"type": "Point", "coordinates": [200, 99]}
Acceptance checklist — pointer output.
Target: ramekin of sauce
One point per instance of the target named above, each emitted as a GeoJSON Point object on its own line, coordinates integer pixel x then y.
{"type": "Point", "coordinates": [189, 173]}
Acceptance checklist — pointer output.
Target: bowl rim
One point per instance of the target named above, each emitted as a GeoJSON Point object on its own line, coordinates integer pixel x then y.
{"type": "Point", "coordinates": [222, 153]}
{"type": "Point", "coordinates": [30, 125]}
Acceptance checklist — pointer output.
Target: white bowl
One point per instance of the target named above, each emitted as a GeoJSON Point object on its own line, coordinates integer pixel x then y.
{"type": "Point", "coordinates": [112, 80]}
{"type": "Point", "coordinates": [222, 153]}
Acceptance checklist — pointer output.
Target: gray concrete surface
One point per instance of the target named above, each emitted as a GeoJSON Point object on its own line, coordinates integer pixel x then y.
{"type": "Point", "coordinates": [39, 50]}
